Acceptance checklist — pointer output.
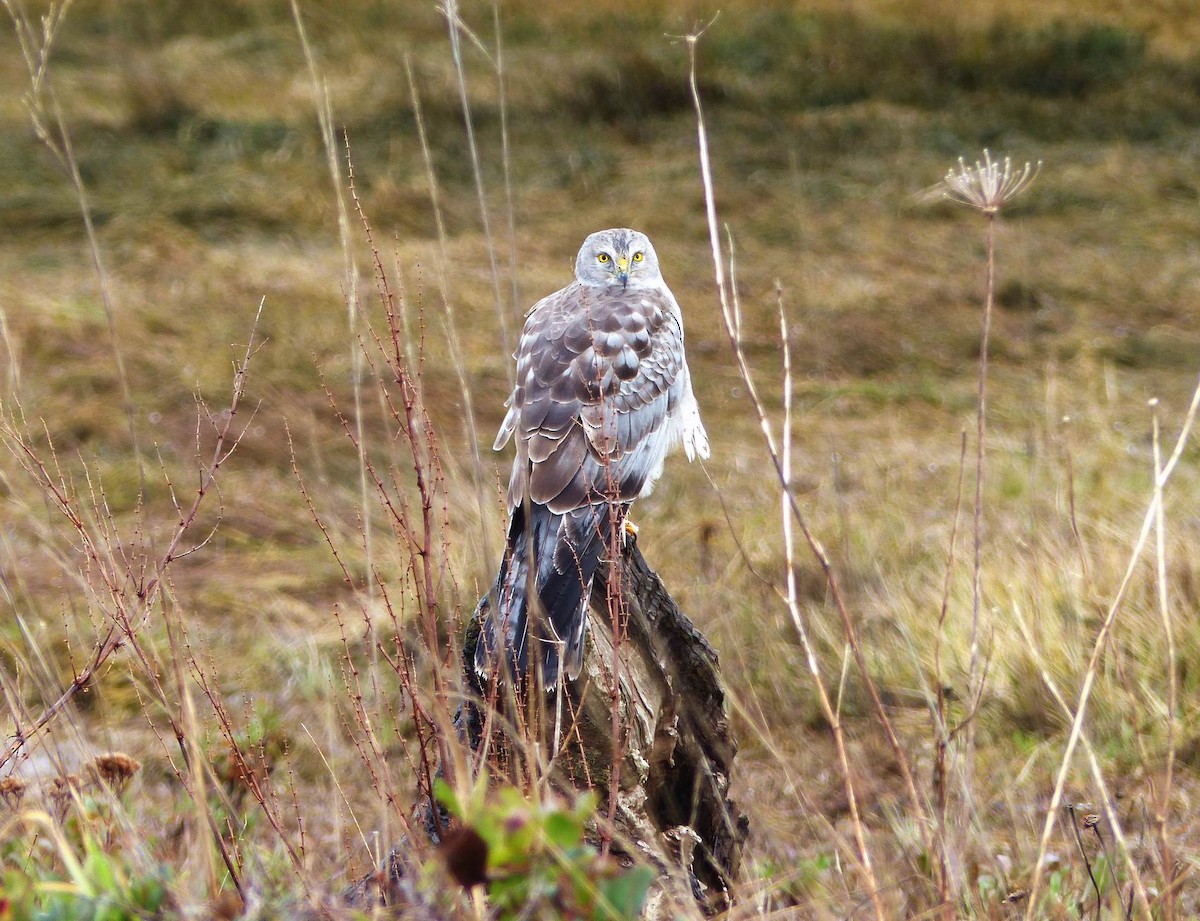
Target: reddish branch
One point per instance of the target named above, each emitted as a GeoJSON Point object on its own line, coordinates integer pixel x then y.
{"type": "Point", "coordinates": [127, 616]}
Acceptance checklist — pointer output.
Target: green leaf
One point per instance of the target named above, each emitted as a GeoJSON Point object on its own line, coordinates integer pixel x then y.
{"type": "Point", "coordinates": [147, 893]}
{"type": "Point", "coordinates": [562, 830]}
{"type": "Point", "coordinates": [585, 805]}
{"type": "Point", "coordinates": [511, 890]}
{"type": "Point", "coordinates": [444, 795]}
{"type": "Point", "coordinates": [624, 896]}
{"type": "Point", "coordinates": [100, 871]}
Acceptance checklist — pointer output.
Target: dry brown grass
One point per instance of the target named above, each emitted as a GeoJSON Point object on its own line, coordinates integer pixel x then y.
{"type": "Point", "coordinates": [197, 141]}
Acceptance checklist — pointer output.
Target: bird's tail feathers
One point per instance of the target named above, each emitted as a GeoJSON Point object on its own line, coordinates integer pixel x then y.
{"type": "Point", "coordinates": [566, 549]}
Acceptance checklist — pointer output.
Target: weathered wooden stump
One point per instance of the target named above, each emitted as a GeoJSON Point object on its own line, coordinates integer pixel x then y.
{"type": "Point", "coordinates": [674, 751]}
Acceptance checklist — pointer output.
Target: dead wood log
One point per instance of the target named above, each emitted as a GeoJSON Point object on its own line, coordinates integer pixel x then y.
{"type": "Point", "coordinates": [674, 750]}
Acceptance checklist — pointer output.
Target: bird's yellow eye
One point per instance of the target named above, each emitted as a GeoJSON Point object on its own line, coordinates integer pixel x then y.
{"type": "Point", "coordinates": [602, 258]}
{"type": "Point", "coordinates": [638, 257]}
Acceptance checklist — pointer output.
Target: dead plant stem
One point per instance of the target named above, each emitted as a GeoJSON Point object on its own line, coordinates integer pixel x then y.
{"type": "Point", "coordinates": [974, 681]}
{"type": "Point", "coordinates": [1101, 642]}
{"type": "Point", "coordinates": [731, 316]}
{"type": "Point", "coordinates": [1162, 792]}
{"type": "Point", "coordinates": [730, 313]}
{"type": "Point", "coordinates": [941, 716]}
{"type": "Point", "coordinates": [450, 9]}
{"type": "Point", "coordinates": [1107, 800]}
{"type": "Point", "coordinates": [125, 622]}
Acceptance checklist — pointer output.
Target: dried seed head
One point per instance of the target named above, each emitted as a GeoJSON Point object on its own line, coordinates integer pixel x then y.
{"type": "Point", "coordinates": [62, 787]}
{"type": "Point", "coordinates": [989, 185]}
{"type": "Point", "coordinates": [115, 769]}
{"type": "Point", "coordinates": [1091, 820]}
{"type": "Point", "coordinates": [11, 790]}
{"type": "Point", "coordinates": [61, 792]}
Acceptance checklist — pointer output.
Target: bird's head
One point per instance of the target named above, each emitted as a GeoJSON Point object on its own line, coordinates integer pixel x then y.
{"type": "Point", "coordinates": [618, 257]}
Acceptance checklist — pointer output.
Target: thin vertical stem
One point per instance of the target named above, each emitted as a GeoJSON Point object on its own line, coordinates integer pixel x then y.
{"type": "Point", "coordinates": [974, 682]}
{"type": "Point", "coordinates": [450, 8]}
{"type": "Point", "coordinates": [1162, 802]}
{"type": "Point", "coordinates": [50, 127]}
{"type": "Point", "coordinates": [1106, 798]}
{"type": "Point", "coordinates": [451, 324]}
{"type": "Point", "coordinates": [941, 719]}
{"type": "Point", "coordinates": [1089, 677]}
{"type": "Point", "coordinates": [730, 314]}
{"type": "Point", "coordinates": [324, 109]}
{"type": "Point", "coordinates": [506, 162]}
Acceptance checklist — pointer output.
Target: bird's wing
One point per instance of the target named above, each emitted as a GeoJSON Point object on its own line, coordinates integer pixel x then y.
{"type": "Point", "coordinates": [598, 372]}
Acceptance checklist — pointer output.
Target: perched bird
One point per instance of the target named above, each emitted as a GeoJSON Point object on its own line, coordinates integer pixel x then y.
{"type": "Point", "coordinates": [602, 393]}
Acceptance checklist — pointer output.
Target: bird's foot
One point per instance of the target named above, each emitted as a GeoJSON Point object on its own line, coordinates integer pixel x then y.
{"type": "Point", "coordinates": [630, 531]}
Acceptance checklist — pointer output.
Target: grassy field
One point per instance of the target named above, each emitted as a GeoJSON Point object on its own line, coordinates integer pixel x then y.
{"type": "Point", "coordinates": [194, 129]}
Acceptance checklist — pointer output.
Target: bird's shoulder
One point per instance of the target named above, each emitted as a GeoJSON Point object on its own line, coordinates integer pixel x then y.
{"type": "Point", "coordinates": [605, 319]}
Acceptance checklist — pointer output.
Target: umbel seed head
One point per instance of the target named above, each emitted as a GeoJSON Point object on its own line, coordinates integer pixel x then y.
{"type": "Point", "coordinates": [988, 185]}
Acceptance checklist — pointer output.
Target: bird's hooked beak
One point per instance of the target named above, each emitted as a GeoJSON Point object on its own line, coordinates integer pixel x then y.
{"type": "Point", "coordinates": [623, 270]}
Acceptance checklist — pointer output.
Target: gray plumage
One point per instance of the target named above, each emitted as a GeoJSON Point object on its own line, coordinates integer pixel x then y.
{"type": "Point", "coordinates": [602, 393]}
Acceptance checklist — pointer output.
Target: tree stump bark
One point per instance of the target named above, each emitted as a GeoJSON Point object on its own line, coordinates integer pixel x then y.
{"type": "Point", "coordinates": [674, 753]}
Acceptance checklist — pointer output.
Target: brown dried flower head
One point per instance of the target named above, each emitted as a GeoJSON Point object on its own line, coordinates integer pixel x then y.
{"type": "Point", "coordinates": [61, 791]}
{"type": "Point", "coordinates": [63, 787]}
{"type": "Point", "coordinates": [11, 790]}
{"type": "Point", "coordinates": [988, 185]}
{"type": "Point", "coordinates": [115, 769]}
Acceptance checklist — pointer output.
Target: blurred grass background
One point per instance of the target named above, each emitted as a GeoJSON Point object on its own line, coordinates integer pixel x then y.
{"type": "Point", "coordinates": [194, 127]}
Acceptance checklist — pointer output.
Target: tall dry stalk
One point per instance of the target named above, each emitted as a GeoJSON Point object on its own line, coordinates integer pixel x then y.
{"type": "Point", "coordinates": [974, 685]}
{"type": "Point", "coordinates": [1098, 648]}
{"type": "Point", "coordinates": [1162, 791]}
{"type": "Point", "coordinates": [457, 27]}
{"type": "Point", "coordinates": [324, 109]}
{"type": "Point", "coordinates": [987, 187]}
{"type": "Point", "coordinates": [506, 163]}
{"type": "Point", "coordinates": [450, 324]}
{"type": "Point", "coordinates": [941, 719]}
{"type": "Point", "coordinates": [731, 317]}
{"type": "Point", "coordinates": [1102, 788]}
{"type": "Point", "coordinates": [50, 126]}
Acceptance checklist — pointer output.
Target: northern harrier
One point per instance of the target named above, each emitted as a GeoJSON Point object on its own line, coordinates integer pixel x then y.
{"type": "Point", "coordinates": [602, 393]}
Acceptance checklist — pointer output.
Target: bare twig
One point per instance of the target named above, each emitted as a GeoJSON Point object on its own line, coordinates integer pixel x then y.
{"type": "Point", "coordinates": [1101, 642]}
{"type": "Point", "coordinates": [731, 315]}
{"type": "Point", "coordinates": [1162, 793]}
{"type": "Point", "coordinates": [131, 606]}
{"type": "Point", "coordinates": [1086, 862]}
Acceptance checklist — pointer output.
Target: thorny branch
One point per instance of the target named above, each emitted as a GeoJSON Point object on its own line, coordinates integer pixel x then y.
{"type": "Point", "coordinates": [132, 593]}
